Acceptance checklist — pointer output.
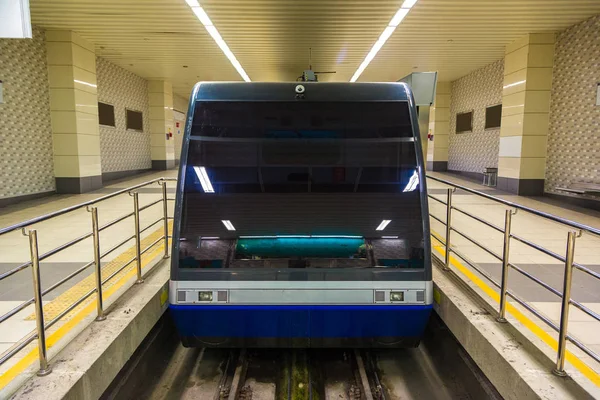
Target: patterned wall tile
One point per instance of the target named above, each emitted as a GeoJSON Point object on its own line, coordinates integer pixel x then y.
{"type": "Point", "coordinates": [574, 132]}
{"type": "Point", "coordinates": [26, 163]}
{"type": "Point", "coordinates": [122, 149]}
{"type": "Point", "coordinates": [473, 151]}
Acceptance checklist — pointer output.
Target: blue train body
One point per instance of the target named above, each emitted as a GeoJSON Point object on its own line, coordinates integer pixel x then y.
{"type": "Point", "coordinates": [301, 218]}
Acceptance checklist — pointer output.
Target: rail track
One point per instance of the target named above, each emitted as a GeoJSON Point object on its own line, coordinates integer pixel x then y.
{"type": "Point", "coordinates": [438, 369]}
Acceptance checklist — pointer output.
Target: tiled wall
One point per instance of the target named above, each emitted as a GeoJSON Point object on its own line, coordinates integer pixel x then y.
{"type": "Point", "coordinates": [122, 149]}
{"type": "Point", "coordinates": [574, 131]}
{"type": "Point", "coordinates": [473, 151]}
{"type": "Point", "coordinates": [26, 164]}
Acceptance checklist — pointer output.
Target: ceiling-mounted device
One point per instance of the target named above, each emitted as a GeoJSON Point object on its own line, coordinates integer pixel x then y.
{"type": "Point", "coordinates": [308, 75]}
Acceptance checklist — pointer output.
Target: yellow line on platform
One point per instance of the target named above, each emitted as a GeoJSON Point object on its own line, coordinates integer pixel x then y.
{"type": "Point", "coordinates": [82, 313]}
{"type": "Point", "coordinates": [581, 366]}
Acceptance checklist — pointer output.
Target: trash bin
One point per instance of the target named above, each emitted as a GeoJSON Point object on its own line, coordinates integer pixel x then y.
{"type": "Point", "coordinates": [490, 176]}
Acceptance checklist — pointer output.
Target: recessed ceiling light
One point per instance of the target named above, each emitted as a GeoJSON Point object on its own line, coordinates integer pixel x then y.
{"type": "Point", "coordinates": [214, 33]}
{"type": "Point", "coordinates": [383, 224]}
{"type": "Point", "coordinates": [385, 35]}
{"type": "Point", "coordinates": [228, 224]}
{"type": "Point", "coordinates": [204, 180]}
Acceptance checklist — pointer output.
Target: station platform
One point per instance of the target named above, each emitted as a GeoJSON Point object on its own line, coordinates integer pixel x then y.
{"type": "Point", "coordinates": [77, 327]}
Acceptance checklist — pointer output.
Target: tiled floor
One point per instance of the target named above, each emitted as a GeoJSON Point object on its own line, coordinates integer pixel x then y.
{"type": "Point", "coordinates": [548, 234]}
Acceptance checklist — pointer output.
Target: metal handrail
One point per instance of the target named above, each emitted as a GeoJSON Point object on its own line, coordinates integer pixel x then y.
{"type": "Point", "coordinates": [539, 213]}
{"type": "Point", "coordinates": [505, 292]}
{"type": "Point", "coordinates": [35, 258]}
{"type": "Point", "coordinates": [45, 217]}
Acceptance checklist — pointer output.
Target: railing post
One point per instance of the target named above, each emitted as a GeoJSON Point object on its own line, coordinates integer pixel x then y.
{"type": "Point", "coordinates": [138, 240]}
{"type": "Point", "coordinates": [566, 299]}
{"type": "Point", "coordinates": [448, 229]}
{"type": "Point", "coordinates": [505, 255]}
{"type": "Point", "coordinates": [166, 217]}
{"type": "Point", "coordinates": [97, 263]}
{"type": "Point", "coordinates": [45, 369]}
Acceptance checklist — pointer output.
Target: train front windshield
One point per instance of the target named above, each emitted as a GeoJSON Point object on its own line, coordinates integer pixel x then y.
{"type": "Point", "coordinates": [301, 184]}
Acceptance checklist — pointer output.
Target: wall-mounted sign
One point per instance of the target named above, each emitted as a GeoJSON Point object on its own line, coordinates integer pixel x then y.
{"type": "Point", "coordinates": [15, 21]}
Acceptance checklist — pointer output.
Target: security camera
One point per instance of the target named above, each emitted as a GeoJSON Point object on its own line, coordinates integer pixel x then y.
{"type": "Point", "coordinates": [300, 89]}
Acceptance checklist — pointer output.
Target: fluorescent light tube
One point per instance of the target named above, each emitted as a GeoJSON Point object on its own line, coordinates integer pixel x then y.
{"type": "Point", "coordinates": [204, 181]}
{"type": "Point", "coordinates": [385, 35]}
{"type": "Point", "coordinates": [383, 224]}
{"type": "Point", "coordinates": [409, 3]}
{"type": "Point", "coordinates": [389, 237]}
{"type": "Point", "coordinates": [399, 17]}
{"type": "Point", "coordinates": [214, 33]}
{"type": "Point", "coordinates": [202, 16]}
{"type": "Point", "coordinates": [228, 225]}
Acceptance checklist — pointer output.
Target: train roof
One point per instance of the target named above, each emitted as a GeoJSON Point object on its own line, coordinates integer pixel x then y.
{"type": "Point", "coordinates": [310, 91]}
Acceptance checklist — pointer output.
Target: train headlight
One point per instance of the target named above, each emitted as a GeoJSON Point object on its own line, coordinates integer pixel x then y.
{"type": "Point", "coordinates": [205, 296]}
{"type": "Point", "coordinates": [396, 296]}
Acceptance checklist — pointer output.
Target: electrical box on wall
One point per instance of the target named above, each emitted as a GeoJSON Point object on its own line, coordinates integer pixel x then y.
{"type": "Point", "coordinates": [598, 95]}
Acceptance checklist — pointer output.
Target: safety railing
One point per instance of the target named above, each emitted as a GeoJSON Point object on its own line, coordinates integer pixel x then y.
{"type": "Point", "coordinates": [42, 326]}
{"type": "Point", "coordinates": [576, 231]}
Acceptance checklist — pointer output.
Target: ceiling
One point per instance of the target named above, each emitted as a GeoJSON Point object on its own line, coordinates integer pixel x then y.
{"type": "Point", "coordinates": [271, 38]}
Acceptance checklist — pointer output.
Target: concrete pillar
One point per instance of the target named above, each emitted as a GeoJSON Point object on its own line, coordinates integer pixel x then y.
{"type": "Point", "coordinates": [439, 127]}
{"type": "Point", "coordinates": [525, 114]}
{"type": "Point", "coordinates": [74, 112]}
{"type": "Point", "coordinates": [160, 99]}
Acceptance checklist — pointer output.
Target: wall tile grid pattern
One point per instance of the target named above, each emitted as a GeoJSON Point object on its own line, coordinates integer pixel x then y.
{"type": "Point", "coordinates": [476, 150]}
{"type": "Point", "coordinates": [122, 149]}
{"type": "Point", "coordinates": [26, 164]}
{"type": "Point", "coordinates": [574, 131]}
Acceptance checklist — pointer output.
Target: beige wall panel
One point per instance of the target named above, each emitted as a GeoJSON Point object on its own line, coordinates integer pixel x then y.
{"type": "Point", "coordinates": [513, 104]}
{"type": "Point", "coordinates": [517, 44]}
{"type": "Point", "coordinates": [540, 55]}
{"type": "Point", "coordinates": [85, 80]}
{"type": "Point", "coordinates": [443, 88]}
{"type": "Point", "coordinates": [89, 165]}
{"type": "Point", "coordinates": [59, 53]}
{"type": "Point", "coordinates": [88, 145]}
{"type": "Point", "coordinates": [65, 144]}
{"type": "Point", "coordinates": [442, 100]}
{"type": "Point", "coordinates": [64, 122]}
{"type": "Point", "coordinates": [534, 146]}
{"type": "Point", "coordinates": [511, 125]}
{"type": "Point", "coordinates": [84, 59]}
{"type": "Point", "coordinates": [62, 99]}
{"type": "Point", "coordinates": [441, 141]}
{"type": "Point", "coordinates": [86, 102]}
{"type": "Point", "coordinates": [87, 124]}
{"type": "Point", "coordinates": [66, 166]}
{"type": "Point", "coordinates": [533, 168]}
{"type": "Point", "coordinates": [535, 124]}
{"type": "Point", "coordinates": [516, 60]}
{"type": "Point", "coordinates": [442, 115]}
{"type": "Point", "coordinates": [61, 76]}
{"type": "Point", "coordinates": [440, 154]}
{"type": "Point", "coordinates": [515, 82]}
{"type": "Point", "coordinates": [509, 167]}
{"type": "Point", "coordinates": [539, 78]}
{"type": "Point", "coordinates": [537, 101]}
